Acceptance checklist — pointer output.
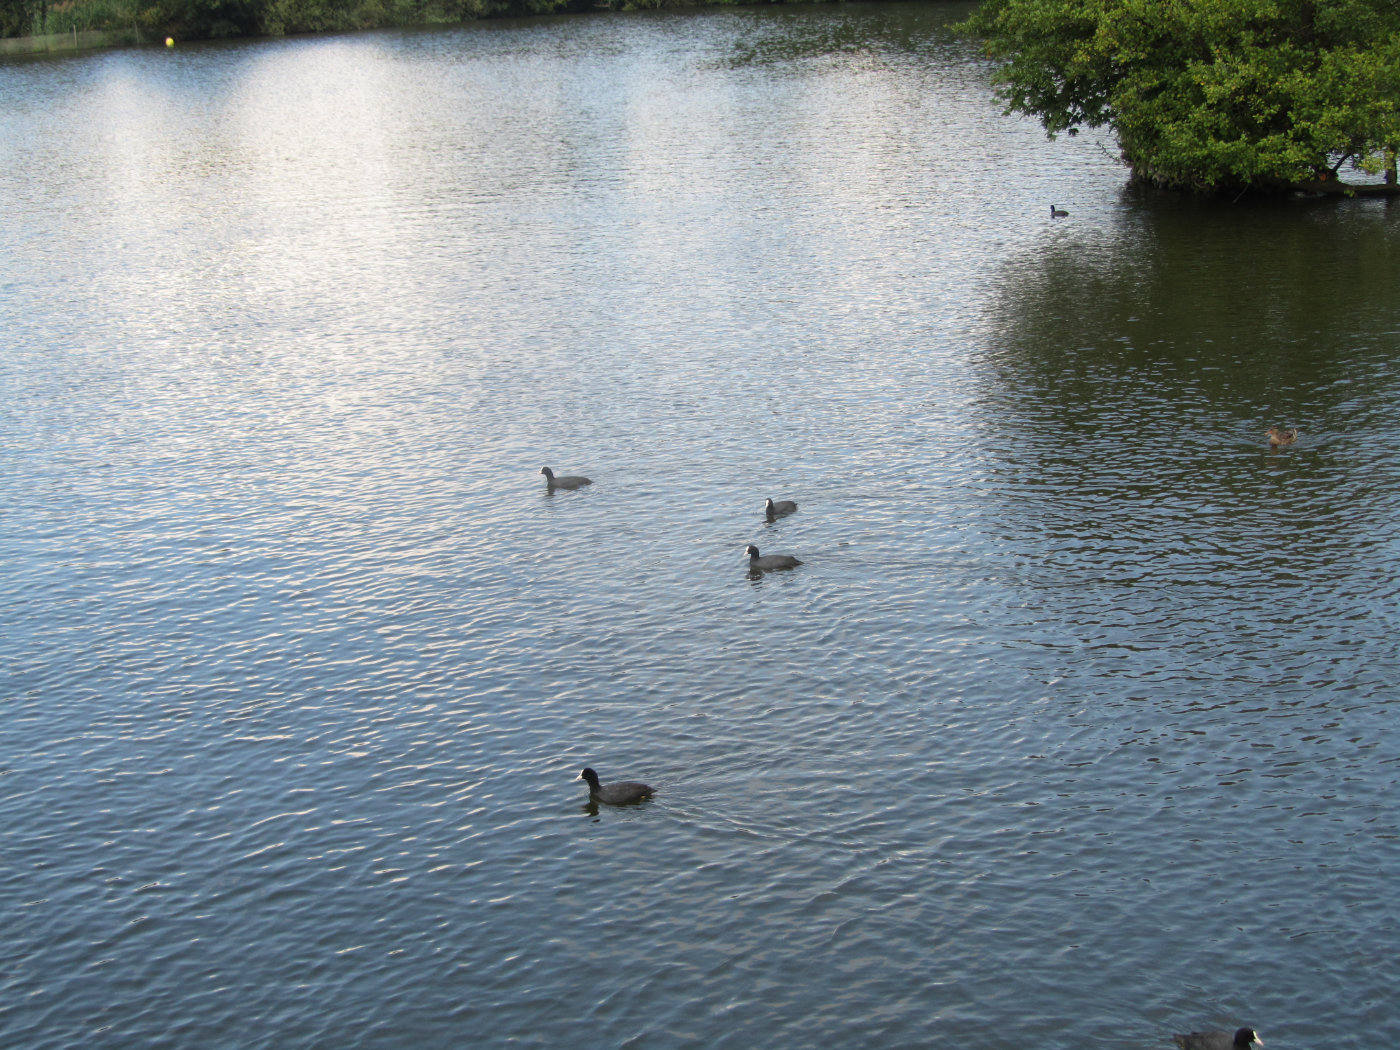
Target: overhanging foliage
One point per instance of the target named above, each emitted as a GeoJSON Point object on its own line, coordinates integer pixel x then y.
{"type": "Point", "coordinates": [1209, 95]}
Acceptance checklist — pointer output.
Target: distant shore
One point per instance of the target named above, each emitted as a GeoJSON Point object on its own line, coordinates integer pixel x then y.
{"type": "Point", "coordinates": [290, 17]}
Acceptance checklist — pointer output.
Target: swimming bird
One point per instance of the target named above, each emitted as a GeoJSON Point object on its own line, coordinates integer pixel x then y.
{"type": "Point", "coordinates": [770, 561]}
{"type": "Point", "coordinates": [569, 481]}
{"type": "Point", "coordinates": [1058, 213]}
{"type": "Point", "coordinates": [781, 509]}
{"type": "Point", "coordinates": [1278, 438]}
{"type": "Point", "coordinates": [1243, 1039]}
{"type": "Point", "coordinates": [623, 793]}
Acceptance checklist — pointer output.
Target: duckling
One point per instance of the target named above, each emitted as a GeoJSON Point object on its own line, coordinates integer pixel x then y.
{"type": "Point", "coordinates": [771, 561]}
{"type": "Point", "coordinates": [1278, 438]}
{"type": "Point", "coordinates": [569, 481]}
{"type": "Point", "coordinates": [623, 793]}
{"type": "Point", "coordinates": [1058, 213]}
{"type": "Point", "coordinates": [1243, 1039]}
{"type": "Point", "coordinates": [781, 509]}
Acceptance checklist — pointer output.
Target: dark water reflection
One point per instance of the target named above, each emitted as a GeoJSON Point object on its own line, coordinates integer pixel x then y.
{"type": "Point", "coordinates": [1074, 728]}
{"type": "Point", "coordinates": [1159, 355]}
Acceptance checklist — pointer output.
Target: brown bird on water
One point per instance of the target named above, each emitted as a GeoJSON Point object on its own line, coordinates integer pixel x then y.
{"type": "Point", "coordinates": [1278, 438]}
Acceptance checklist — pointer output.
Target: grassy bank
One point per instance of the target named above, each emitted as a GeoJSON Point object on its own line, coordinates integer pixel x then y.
{"type": "Point", "coordinates": [73, 40]}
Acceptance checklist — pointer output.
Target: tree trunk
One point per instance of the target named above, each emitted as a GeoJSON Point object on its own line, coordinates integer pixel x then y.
{"type": "Point", "coordinates": [1336, 188]}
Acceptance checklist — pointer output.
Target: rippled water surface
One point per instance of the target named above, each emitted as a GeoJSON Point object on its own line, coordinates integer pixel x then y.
{"type": "Point", "coordinates": [1075, 728]}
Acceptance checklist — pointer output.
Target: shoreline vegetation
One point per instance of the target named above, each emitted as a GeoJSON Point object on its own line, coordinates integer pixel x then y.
{"type": "Point", "coordinates": [73, 40]}
{"type": "Point", "coordinates": [81, 25]}
{"type": "Point", "coordinates": [1219, 98]}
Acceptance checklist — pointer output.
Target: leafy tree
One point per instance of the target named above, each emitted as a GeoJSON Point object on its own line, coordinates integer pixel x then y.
{"type": "Point", "coordinates": [202, 19]}
{"type": "Point", "coordinates": [16, 16]}
{"type": "Point", "coordinates": [1209, 95]}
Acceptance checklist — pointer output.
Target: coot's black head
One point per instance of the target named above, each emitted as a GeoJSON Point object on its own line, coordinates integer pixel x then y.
{"type": "Point", "coordinates": [751, 551]}
{"type": "Point", "coordinates": [768, 505]}
{"type": "Point", "coordinates": [589, 776]}
{"type": "Point", "coordinates": [1245, 1038]}
{"type": "Point", "coordinates": [546, 472]}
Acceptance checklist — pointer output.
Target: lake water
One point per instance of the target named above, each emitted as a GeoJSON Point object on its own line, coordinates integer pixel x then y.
{"type": "Point", "coordinates": [1077, 726]}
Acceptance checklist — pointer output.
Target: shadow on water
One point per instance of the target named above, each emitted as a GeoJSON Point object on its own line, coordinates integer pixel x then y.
{"type": "Point", "coordinates": [1130, 375]}
{"type": "Point", "coordinates": [1260, 308]}
{"type": "Point", "coordinates": [891, 30]}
